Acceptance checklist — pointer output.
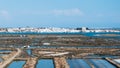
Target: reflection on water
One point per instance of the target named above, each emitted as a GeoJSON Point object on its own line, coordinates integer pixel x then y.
{"type": "Point", "coordinates": [16, 64]}
{"type": "Point", "coordinates": [45, 63]}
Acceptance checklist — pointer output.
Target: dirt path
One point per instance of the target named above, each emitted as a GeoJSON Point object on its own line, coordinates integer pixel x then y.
{"type": "Point", "coordinates": [10, 59]}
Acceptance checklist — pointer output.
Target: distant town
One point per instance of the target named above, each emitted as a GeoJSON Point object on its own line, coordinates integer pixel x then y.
{"type": "Point", "coordinates": [53, 29]}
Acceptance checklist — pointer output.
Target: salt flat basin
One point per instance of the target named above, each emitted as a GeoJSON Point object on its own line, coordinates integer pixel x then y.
{"type": "Point", "coordinates": [45, 63]}
{"type": "Point", "coordinates": [78, 63]}
{"type": "Point", "coordinates": [100, 63]}
{"type": "Point", "coordinates": [17, 64]}
{"type": "Point", "coordinates": [117, 60]}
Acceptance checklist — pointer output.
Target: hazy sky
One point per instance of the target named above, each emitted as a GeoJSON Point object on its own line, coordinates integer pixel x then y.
{"type": "Point", "coordinates": [60, 13]}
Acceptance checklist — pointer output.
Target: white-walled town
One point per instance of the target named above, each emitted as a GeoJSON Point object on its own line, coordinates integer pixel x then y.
{"type": "Point", "coordinates": [53, 29]}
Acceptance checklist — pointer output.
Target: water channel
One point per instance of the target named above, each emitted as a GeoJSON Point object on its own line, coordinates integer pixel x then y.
{"type": "Point", "coordinates": [4, 51]}
{"type": "Point", "coordinates": [47, 46]}
{"type": "Point", "coordinates": [29, 52]}
{"type": "Point", "coordinates": [3, 54]}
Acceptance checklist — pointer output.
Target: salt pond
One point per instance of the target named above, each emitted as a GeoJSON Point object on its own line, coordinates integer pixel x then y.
{"type": "Point", "coordinates": [17, 64]}
{"type": "Point", "coordinates": [45, 63]}
{"type": "Point", "coordinates": [78, 63]}
{"type": "Point", "coordinates": [100, 63]}
{"type": "Point", "coordinates": [97, 63]}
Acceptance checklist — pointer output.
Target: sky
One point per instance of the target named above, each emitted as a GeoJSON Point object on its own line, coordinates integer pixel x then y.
{"type": "Point", "coordinates": [60, 13]}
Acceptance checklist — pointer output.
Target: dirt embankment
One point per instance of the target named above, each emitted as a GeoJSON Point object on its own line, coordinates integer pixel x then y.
{"type": "Point", "coordinates": [60, 62]}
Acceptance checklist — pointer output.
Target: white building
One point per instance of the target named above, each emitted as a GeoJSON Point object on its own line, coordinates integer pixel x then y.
{"type": "Point", "coordinates": [84, 29]}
